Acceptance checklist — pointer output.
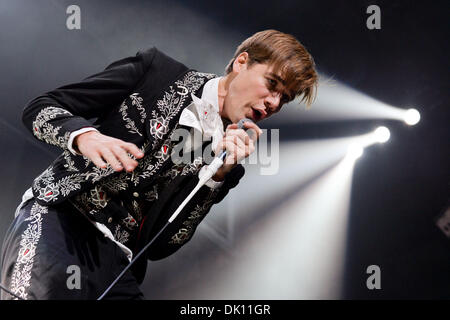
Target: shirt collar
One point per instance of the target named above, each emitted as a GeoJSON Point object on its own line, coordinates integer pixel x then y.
{"type": "Point", "coordinates": [210, 93]}
{"type": "Point", "coordinates": [203, 113]}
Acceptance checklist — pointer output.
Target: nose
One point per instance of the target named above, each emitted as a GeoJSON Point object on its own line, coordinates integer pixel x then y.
{"type": "Point", "coordinates": [272, 101]}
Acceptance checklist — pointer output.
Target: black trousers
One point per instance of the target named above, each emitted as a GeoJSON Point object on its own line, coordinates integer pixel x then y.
{"type": "Point", "coordinates": [56, 253]}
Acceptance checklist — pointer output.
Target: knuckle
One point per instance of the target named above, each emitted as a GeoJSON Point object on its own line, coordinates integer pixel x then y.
{"type": "Point", "coordinates": [117, 148]}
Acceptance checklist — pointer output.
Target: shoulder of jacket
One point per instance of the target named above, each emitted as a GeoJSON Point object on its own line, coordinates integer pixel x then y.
{"type": "Point", "coordinates": [166, 61]}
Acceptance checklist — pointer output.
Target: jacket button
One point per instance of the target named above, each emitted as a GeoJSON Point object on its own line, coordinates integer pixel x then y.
{"type": "Point", "coordinates": [110, 220]}
{"type": "Point", "coordinates": [135, 194]}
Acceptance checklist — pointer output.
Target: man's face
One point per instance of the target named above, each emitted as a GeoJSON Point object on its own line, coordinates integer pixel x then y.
{"type": "Point", "coordinates": [255, 92]}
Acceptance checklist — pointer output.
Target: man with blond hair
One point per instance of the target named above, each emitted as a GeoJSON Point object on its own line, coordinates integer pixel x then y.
{"type": "Point", "coordinates": [115, 183]}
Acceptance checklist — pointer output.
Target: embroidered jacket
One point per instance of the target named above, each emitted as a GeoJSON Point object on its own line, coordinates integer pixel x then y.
{"type": "Point", "coordinates": [138, 99]}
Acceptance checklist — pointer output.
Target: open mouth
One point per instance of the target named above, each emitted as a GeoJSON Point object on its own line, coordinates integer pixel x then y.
{"type": "Point", "coordinates": [256, 114]}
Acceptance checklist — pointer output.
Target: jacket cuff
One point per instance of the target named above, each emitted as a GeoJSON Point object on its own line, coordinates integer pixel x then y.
{"type": "Point", "coordinates": [73, 135]}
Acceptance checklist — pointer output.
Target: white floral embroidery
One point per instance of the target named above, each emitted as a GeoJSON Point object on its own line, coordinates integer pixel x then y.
{"type": "Point", "coordinates": [21, 275]}
{"type": "Point", "coordinates": [98, 197]}
{"type": "Point", "coordinates": [45, 131]}
{"type": "Point", "coordinates": [152, 194]}
{"type": "Point", "coordinates": [130, 222]}
{"type": "Point", "coordinates": [117, 184]}
{"type": "Point", "coordinates": [49, 193]}
{"type": "Point", "coordinates": [193, 167]}
{"type": "Point", "coordinates": [47, 176]}
{"type": "Point", "coordinates": [192, 221]}
{"type": "Point", "coordinates": [129, 124]}
{"type": "Point", "coordinates": [173, 172]}
{"type": "Point", "coordinates": [184, 169]}
{"type": "Point", "coordinates": [171, 102]}
{"type": "Point", "coordinates": [159, 127]}
{"type": "Point", "coordinates": [120, 235]}
{"type": "Point", "coordinates": [87, 161]}
{"type": "Point", "coordinates": [137, 101]}
{"type": "Point", "coordinates": [70, 164]}
{"type": "Point", "coordinates": [67, 184]}
{"type": "Point", "coordinates": [169, 106]}
{"type": "Point", "coordinates": [147, 167]}
{"type": "Point", "coordinates": [181, 236]}
{"type": "Point", "coordinates": [98, 173]}
{"type": "Point", "coordinates": [70, 183]}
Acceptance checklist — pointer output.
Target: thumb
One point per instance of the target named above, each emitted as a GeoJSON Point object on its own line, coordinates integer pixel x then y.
{"type": "Point", "coordinates": [219, 148]}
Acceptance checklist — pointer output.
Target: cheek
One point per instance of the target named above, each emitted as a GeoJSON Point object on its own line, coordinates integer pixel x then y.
{"type": "Point", "coordinates": [252, 89]}
{"type": "Point", "coordinates": [238, 91]}
{"type": "Point", "coordinates": [257, 87]}
{"type": "Point", "coordinates": [261, 91]}
{"type": "Point", "coordinates": [240, 85]}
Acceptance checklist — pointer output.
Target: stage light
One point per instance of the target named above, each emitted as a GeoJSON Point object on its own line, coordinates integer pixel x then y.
{"type": "Point", "coordinates": [412, 117]}
{"type": "Point", "coordinates": [355, 151]}
{"type": "Point", "coordinates": [382, 134]}
{"type": "Point", "coordinates": [336, 101]}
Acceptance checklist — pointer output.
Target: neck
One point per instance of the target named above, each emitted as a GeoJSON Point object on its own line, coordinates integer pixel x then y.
{"type": "Point", "coordinates": [224, 84]}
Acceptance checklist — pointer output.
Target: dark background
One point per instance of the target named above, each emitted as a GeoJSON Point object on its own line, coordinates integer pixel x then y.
{"type": "Point", "coordinates": [398, 190]}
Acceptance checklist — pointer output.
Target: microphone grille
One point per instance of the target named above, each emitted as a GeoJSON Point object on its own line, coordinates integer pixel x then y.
{"type": "Point", "coordinates": [241, 122]}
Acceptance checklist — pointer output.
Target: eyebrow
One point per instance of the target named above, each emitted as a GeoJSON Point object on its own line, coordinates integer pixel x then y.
{"type": "Point", "coordinates": [278, 78]}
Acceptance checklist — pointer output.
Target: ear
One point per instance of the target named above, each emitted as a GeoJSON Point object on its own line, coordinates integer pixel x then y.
{"type": "Point", "coordinates": [240, 63]}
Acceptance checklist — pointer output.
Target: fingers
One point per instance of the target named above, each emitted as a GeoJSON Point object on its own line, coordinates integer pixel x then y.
{"type": "Point", "coordinates": [133, 149]}
{"type": "Point", "coordinates": [251, 129]}
{"type": "Point", "coordinates": [236, 149]}
{"type": "Point", "coordinates": [240, 134]}
{"type": "Point", "coordinates": [232, 126]}
{"type": "Point", "coordinates": [120, 154]}
{"type": "Point", "coordinates": [116, 155]}
{"type": "Point", "coordinates": [111, 159]}
{"type": "Point", "coordinates": [239, 143]}
{"type": "Point", "coordinates": [103, 150]}
{"type": "Point", "coordinates": [97, 160]}
{"type": "Point", "coordinates": [252, 125]}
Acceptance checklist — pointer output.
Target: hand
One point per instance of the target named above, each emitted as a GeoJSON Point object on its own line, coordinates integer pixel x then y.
{"type": "Point", "coordinates": [238, 145]}
{"type": "Point", "coordinates": [100, 148]}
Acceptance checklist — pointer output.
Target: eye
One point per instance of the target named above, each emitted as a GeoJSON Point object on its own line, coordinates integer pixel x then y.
{"type": "Point", "coordinates": [272, 83]}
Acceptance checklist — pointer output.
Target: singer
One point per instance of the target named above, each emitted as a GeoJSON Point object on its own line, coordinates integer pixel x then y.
{"type": "Point", "coordinates": [115, 184]}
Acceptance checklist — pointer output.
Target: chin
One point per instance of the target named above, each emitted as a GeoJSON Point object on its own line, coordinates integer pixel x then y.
{"type": "Point", "coordinates": [236, 120]}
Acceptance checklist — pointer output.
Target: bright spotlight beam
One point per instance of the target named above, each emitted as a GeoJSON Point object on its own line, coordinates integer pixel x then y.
{"type": "Point", "coordinates": [354, 151]}
{"type": "Point", "coordinates": [337, 101]}
{"type": "Point", "coordinates": [411, 117]}
{"type": "Point", "coordinates": [382, 134]}
{"type": "Point", "coordinates": [295, 252]}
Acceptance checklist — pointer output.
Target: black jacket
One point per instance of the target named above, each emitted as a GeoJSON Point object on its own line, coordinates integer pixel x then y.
{"type": "Point", "coordinates": [138, 99]}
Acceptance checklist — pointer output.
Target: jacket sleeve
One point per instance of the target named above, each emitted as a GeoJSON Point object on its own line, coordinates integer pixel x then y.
{"type": "Point", "coordinates": [52, 116]}
{"type": "Point", "coordinates": [181, 230]}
